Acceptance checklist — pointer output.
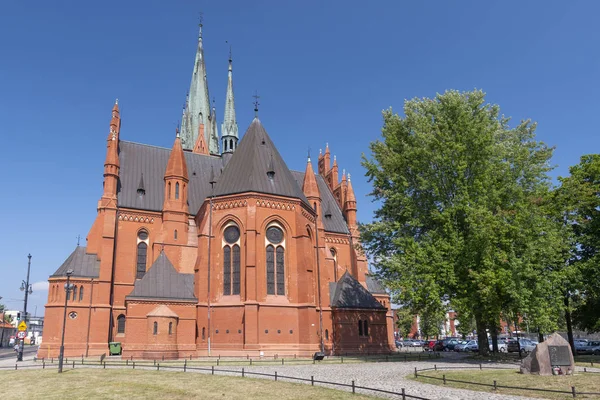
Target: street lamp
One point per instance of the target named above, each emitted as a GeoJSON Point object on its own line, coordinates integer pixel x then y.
{"type": "Point", "coordinates": [62, 340]}
{"type": "Point", "coordinates": [25, 287]}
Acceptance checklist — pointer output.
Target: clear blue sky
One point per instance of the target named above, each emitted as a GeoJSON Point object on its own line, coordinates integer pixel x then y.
{"type": "Point", "coordinates": [324, 71]}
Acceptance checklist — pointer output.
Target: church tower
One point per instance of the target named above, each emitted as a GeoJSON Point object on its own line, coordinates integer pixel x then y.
{"type": "Point", "coordinates": [229, 128]}
{"type": "Point", "coordinates": [197, 113]}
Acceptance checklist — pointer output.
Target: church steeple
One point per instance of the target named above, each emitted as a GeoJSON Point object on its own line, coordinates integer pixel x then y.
{"type": "Point", "coordinates": [229, 128]}
{"type": "Point", "coordinates": [111, 163]}
{"type": "Point", "coordinates": [197, 110]}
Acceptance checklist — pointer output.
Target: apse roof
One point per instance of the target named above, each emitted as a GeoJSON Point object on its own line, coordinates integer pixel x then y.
{"type": "Point", "coordinates": [162, 281]}
{"type": "Point", "coordinates": [349, 293]}
{"type": "Point", "coordinates": [82, 264]}
{"type": "Point", "coordinates": [375, 286]}
{"type": "Point", "coordinates": [249, 167]}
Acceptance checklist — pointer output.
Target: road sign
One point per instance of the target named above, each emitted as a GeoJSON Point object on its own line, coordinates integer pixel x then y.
{"type": "Point", "coordinates": [21, 334]}
{"type": "Point", "coordinates": [22, 326]}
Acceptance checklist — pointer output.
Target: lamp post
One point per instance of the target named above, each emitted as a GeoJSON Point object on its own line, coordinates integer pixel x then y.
{"type": "Point", "coordinates": [26, 287]}
{"type": "Point", "coordinates": [62, 339]}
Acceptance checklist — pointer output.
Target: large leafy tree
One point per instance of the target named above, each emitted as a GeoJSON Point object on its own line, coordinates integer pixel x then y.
{"type": "Point", "coordinates": [577, 206]}
{"type": "Point", "coordinates": [460, 215]}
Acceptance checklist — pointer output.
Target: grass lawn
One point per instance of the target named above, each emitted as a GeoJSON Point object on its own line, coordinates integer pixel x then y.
{"type": "Point", "coordinates": [582, 382]}
{"type": "Point", "coordinates": [129, 384]}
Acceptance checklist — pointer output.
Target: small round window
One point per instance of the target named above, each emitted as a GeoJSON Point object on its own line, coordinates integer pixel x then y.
{"type": "Point", "coordinates": [275, 235]}
{"type": "Point", "coordinates": [143, 235]}
{"type": "Point", "coordinates": [231, 234]}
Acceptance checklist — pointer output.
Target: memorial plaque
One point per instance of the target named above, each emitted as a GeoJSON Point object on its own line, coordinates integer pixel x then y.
{"type": "Point", "coordinates": [559, 355]}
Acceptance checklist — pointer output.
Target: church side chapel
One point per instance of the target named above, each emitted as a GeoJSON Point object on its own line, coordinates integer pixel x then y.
{"type": "Point", "coordinates": [215, 247]}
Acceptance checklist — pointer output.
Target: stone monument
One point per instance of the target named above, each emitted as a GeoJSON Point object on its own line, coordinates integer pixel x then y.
{"type": "Point", "coordinates": [550, 357]}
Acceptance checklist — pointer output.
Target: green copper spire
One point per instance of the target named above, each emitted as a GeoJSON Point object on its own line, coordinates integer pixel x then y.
{"type": "Point", "coordinates": [229, 128]}
{"type": "Point", "coordinates": [197, 110]}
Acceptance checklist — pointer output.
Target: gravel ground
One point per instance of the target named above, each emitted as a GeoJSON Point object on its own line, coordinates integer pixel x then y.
{"type": "Point", "coordinates": [386, 376]}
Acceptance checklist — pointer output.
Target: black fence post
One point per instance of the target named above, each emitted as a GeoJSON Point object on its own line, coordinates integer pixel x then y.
{"type": "Point", "coordinates": [480, 367]}
{"type": "Point", "coordinates": [43, 364]}
{"type": "Point", "coordinates": [495, 385]}
{"type": "Point", "coordinates": [184, 365]}
{"type": "Point", "coordinates": [126, 362]}
{"type": "Point", "coordinates": [15, 367]}
{"type": "Point", "coordinates": [82, 359]}
{"type": "Point", "coordinates": [212, 367]}
{"type": "Point", "coordinates": [73, 364]}
{"type": "Point", "coordinates": [403, 394]}
{"type": "Point", "coordinates": [250, 361]}
{"type": "Point", "coordinates": [154, 362]}
{"type": "Point", "coordinates": [282, 361]}
{"type": "Point", "coordinates": [104, 365]}
{"type": "Point", "coordinates": [573, 391]}
{"type": "Point", "coordinates": [342, 360]}
{"type": "Point", "coordinates": [435, 367]}
{"type": "Point", "coordinates": [242, 372]}
{"type": "Point", "coordinates": [444, 378]}
{"type": "Point", "coordinates": [134, 365]}
{"type": "Point", "coordinates": [312, 380]}
{"type": "Point", "coordinates": [158, 367]}
{"type": "Point", "coordinates": [353, 388]}
{"type": "Point", "coordinates": [415, 372]}
{"type": "Point", "coordinates": [275, 375]}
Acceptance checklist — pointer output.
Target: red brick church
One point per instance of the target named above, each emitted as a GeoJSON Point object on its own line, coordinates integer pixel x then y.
{"type": "Point", "coordinates": [207, 249]}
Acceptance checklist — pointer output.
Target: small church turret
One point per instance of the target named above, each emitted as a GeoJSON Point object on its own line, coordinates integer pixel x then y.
{"type": "Point", "coordinates": [176, 181]}
{"type": "Point", "coordinates": [111, 163]}
{"type": "Point", "coordinates": [229, 128]}
{"type": "Point", "coordinates": [350, 208]}
{"type": "Point", "coordinates": [311, 191]}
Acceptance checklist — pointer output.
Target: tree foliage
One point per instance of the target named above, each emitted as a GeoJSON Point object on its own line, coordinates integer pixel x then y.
{"type": "Point", "coordinates": [461, 219]}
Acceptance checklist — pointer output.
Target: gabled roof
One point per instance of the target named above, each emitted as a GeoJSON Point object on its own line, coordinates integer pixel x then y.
{"type": "Point", "coordinates": [83, 264]}
{"type": "Point", "coordinates": [137, 159]}
{"type": "Point", "coordinates": [375, 286]}
{"type": "Point", "coordinates": [349, 293]}
{"type": "Point", "coordinates": [162, 281]}
{"type": "Point", "coordinates": [247, 170]}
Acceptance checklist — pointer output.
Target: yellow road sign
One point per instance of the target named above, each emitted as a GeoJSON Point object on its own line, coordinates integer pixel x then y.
{"type": "Point", "coordinates": [22, 326]}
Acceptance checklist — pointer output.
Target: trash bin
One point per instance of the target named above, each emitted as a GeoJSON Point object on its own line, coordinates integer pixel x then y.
{"type": "Point", "coordinates": [114, 348]}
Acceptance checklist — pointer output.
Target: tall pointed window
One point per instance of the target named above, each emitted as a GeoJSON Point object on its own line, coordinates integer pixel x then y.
{"type": "Point", "coordinates": [275, 261]}
{"type": "Point", "coordinates": [121, 324]}
{"type": "Point", "coordinates": [176, 190]}
{"type": "Point", "coordinates": [155, 328]}
{"type": "Point", "coordinates": [142, 253]}
{"type": "Point", "coordinates": [74, 293]}
{"type": "Point", "coordinates": [231, 260]}
{"type": "Point", "coordinates": [80, 293]}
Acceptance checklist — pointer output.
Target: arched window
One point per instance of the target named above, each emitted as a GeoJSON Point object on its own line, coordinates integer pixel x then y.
{"type": "Point", "coordinates": [231, 260]}
{"type": "Point", "coordinates": [74, 293]}
{"type": "Point", "coordinates": [142, 250]}
{"type": "Point", "coordinates": [155, 329]}
{"type": "Point", "coordinates": [366, 328]}
{"type": "Point", "coordinates": [121, 324]}
{"type": "Point", "coordinates": [275, 261]}
{"type": "Point", "coordinates": [175, 234]}
{"type": "Point", "coordinates": [360, 328]}
{"type": "Point", "coordinates": [203, 333]}
{"type": "Point", "coordinates": [231, 144]}
{"type": "Point", "coordinates": [170, 328]}
{"type": "Point", "coordinates": [225, 146]}
{"type": "Point", "coordinates": [68, 289]}
{"type": "Point", "coordinates": [80, 293]}
{"type": "Point", "coordinates": [169, 190]}
{"type": "Point", "coordinates": [176, 190]}
{"type": "Point", "coordinates": [326, 334]}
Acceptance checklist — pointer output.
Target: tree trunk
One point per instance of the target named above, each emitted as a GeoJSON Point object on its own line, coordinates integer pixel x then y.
{"type": "Point", "coordinates": [494, 332]}
{"type": "Point", "coordinates": [482, 339]}
{"type": "Point", "coordinates": [540, 336]}
{"type": "Point", "coordinates": [569, 325]}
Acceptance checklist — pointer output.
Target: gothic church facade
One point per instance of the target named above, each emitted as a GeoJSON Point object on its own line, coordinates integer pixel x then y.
{"type": "Point", "coordinates": [199, 250]}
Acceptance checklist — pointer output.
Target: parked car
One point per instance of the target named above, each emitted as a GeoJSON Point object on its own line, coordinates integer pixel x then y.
{"type": "Point", "coordinates": [471, 346]}
{"type": "Point", "coordinates": [580, 344]}
{"type": "Point", "coordinates": [502, 345]}
{"type": "Point", "coordinates": [591, 347]}
{"type": "Point", "coordinates": [417, 343]}
{"type": "Point", "coordinates": [398, 344]}
{"type": "Point", "coordinates": [429, 345]}
{"type": "Point", "coordinates": [461, 345]}
{"type": "Point", "coordinates": [439, 345]}
{"type": "Point", "coordinates": [526, 345]}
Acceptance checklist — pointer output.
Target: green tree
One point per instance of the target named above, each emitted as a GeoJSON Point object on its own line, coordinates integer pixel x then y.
{"type": "Point", "coordinates": [405, 321]}
{"type": "Point", "coordinates": [577, 203]}
{"type": "Point", "coordinates": [459, 208]}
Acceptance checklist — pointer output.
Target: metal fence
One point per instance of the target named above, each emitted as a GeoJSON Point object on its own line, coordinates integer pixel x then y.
{"type": "Point", "coordinates": [353, 387]}
{"type": "Point", "coordinates": [495, 384]}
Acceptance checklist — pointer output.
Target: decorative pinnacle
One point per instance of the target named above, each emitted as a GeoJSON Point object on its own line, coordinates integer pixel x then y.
{"type": "Point", "coordinates": [348, 176]}
{"type": "Point", "coordinates": [256, 103]}
{"type": "Point", "coordinates": [308, 158]}
{"type": "Point", "coordinates": [320, 151]}
{"type": "Point", "coordinates": [117, 101]}
{"type": "Point", "coordinates": [334, 158]}
{"type": "Point", "coordinates": [177, 132]}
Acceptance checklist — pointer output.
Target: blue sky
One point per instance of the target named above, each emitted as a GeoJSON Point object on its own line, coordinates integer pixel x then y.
{"type": "Point", "coordinates": [324, 71]}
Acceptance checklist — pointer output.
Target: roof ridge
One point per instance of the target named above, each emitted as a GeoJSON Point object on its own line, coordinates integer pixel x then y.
{"type": "Point", "coordinates": [171, 149]}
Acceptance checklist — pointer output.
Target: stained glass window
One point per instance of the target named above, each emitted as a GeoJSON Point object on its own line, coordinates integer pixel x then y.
{"type": "Point", "coordinates": [236, 270]}
{"type": "Point", "coordinates": [270, 269]}
{"type": "Point", "coordinates": [226, 270]}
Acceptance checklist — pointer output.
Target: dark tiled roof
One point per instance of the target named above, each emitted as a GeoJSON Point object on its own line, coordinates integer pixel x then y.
{"type": "Point", "coordinates": [335, 223]}
{"type": "Point", "coordinates": [349, 293]}
{"type": "Point", "coordinates": [82, 264]}
{"type": "Point", "coordinates": [375, 286]}
{"type": "Point", "coordinates": [248, 167]}
{"type": "Point", "coordinates": [137, 159]}
{"type": "Point", "coordinates": [162, 281]}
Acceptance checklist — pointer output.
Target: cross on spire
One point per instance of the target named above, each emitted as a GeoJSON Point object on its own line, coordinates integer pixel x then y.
{"type": "Point", "coordinates": [78, 238]}
{"type": "Point", "coordinates": [256, 103]}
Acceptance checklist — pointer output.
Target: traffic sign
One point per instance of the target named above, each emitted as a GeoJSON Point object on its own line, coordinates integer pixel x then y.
{"type": "Point", "coordinates": [22, 326]}
{"type": "Point", "coordinates": [21, 334]}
